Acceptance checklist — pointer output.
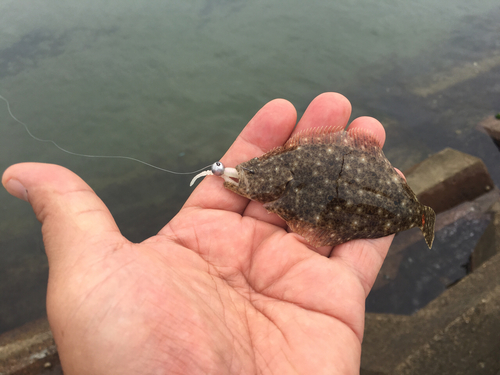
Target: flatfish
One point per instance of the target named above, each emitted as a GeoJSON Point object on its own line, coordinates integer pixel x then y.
{"type": "Point", "coordinates": [331, 186]}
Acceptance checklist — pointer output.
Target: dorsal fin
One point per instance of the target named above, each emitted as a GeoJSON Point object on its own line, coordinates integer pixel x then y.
{"type": "Point", "coordinates": [332, 135]}
{"type": "Point", "coordinates": [360, 138]}
{"type": "Point", "coordinates": [364, 137]}
{"type": "Point", "coordinates": [324, 134]}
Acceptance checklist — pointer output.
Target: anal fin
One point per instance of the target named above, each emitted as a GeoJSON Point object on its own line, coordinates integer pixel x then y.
{"type": "Point", "coordinates": [316, 236]}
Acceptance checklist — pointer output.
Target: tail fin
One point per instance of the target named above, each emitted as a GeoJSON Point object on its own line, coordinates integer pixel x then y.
{"type": "Point", "coordinates": [427, 226]}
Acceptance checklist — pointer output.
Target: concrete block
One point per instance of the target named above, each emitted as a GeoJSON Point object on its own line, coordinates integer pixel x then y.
{"type": "Point", "coordinates": [489, 243]}
{"type": "Point", "coordinates": [449, 178]}
{"type": "Point", "coordinates": [492, 127]}
{"type": "Point", "coordinates": [470, 344]}
{"type": "Point", "coordinates": [457, 333]}
{"type": "Point", "coordinates": [29, 349]}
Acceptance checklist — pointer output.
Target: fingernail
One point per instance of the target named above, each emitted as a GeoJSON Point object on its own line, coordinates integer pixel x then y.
{"type": "Point", "coordinates": [17, 189]}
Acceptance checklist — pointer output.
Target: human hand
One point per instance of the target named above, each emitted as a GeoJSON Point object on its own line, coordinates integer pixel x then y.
{"type": "Point", "coordinates": [222, 289]}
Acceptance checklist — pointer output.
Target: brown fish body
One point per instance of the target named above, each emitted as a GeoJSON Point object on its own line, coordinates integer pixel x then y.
{"type": "Point", "coordinates": [331, 186]}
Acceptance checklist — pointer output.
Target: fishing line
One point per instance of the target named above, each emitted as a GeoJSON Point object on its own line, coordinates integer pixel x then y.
{"type": "Point", "coordinates": [91, 156]}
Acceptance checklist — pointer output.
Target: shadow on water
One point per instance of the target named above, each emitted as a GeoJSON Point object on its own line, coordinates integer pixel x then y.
{"type": "Point", "coordinates": [29, 50]}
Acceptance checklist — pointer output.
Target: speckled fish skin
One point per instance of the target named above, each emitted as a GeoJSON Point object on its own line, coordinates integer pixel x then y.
{"type": "Point", "coordinates": [332, 186]}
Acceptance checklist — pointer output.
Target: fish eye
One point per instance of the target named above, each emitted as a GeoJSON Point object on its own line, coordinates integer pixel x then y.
{"type": "Point", "coordinates": [248, 170]}
{"type": "Point", "coordinates": [294, 184]}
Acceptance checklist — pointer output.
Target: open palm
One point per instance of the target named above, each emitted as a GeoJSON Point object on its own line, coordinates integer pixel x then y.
{"type": "Point", "coordinates": [222, 289]}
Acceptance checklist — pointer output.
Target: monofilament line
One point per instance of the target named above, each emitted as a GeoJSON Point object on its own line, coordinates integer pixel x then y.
{"type": "Point", "coordinates": [91, 156]}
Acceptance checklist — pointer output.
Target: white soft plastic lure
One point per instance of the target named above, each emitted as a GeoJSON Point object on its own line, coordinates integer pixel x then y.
{"type": "Point", "coordinates": [218, 169]}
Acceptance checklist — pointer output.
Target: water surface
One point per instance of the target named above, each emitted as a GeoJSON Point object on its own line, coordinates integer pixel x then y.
{"type": "Point", "coordinates": [174, 82]}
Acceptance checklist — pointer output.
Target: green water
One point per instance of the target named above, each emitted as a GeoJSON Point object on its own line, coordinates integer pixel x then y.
{"type": "Point", "coordinates": [174, 82]}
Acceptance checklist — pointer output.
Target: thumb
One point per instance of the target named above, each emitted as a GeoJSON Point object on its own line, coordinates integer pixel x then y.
{"type": "Point", "coordinates": [73, 217]}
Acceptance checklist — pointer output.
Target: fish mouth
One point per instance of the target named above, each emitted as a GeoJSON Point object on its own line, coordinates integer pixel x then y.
{"type": "Point", "coordinates": [231, 176]}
